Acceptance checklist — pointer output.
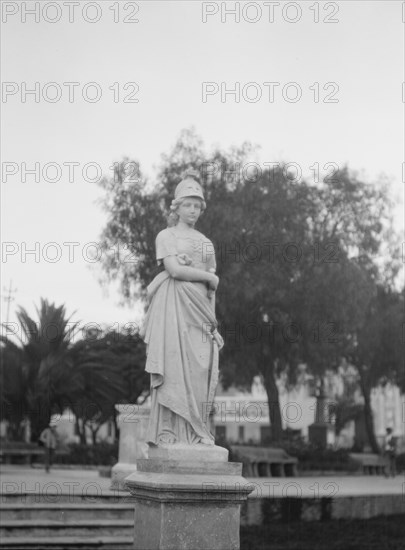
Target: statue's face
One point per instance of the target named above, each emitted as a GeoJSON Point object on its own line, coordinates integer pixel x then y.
{"type": "Point", "coordinates": [189, 210]}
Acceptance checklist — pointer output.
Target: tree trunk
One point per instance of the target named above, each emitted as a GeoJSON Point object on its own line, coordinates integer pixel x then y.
{"type": "Point", "coordinates": [368, 413]}
{"type": "Point", "coordinates": [116, 427]}
{"type": "Point", "coordinates": [15, 431]}
{"type": "Point", "coordinates": [368, 417]}
{"type": "Point", "coordinates": [81, 431]}
{"type": "Point", "coordinates": [94, 432]}
{"type": "Point", "coordinates": [39, 417]}
{"type": "Point", "coordinates": [273, 401]}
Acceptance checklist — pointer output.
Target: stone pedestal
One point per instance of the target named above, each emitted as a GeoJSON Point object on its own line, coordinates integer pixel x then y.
{"type": "Point", "coordinates": [187, 497]}
{"type": "Point", "coordinates": [133, 422]}
{"type": "Point", "coordinates": [322, 433]}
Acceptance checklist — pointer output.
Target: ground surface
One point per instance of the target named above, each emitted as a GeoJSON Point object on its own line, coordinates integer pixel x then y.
{"type": "Point", "coordinates": [89, 481]}
{"type": "Point", "coordinates": [384, 533]}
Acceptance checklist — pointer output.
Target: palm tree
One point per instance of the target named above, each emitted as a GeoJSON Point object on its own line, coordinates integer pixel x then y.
{"type": "Point", "coordinates": [13, 392]}
{"type": "Point", "coordinates": [48, 373]}
{"type": "Point", "coordinates": [44, 348]}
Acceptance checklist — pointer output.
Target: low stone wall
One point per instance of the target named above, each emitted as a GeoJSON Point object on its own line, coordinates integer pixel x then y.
{"type": "Point", "coordinates": [258, 511]}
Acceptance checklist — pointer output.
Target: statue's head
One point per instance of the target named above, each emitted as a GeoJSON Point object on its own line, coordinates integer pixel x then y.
{"type": "Point", "coordinates": [189, 187]}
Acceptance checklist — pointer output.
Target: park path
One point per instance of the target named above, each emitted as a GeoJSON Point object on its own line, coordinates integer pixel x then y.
{"type": "Point", "coordinates": [20, 479]}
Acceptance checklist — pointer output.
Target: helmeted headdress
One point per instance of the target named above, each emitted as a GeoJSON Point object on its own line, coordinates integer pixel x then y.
{"type": "Point", "coordinates": [189, 186]}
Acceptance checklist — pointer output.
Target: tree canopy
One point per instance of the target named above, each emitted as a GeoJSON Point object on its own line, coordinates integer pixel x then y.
{"type": "Point", "coordinates": [298, 264]}
{"type": "Point", "coordinates": [50, 370]}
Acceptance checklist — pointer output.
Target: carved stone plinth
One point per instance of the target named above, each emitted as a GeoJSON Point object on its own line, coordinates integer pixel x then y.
{"type": "Point", "coordinates": [188, 504]}
{"type": "Point", "coordinates": [322, 432]}
{"type": "Point", "coordinates": [133, 422]}
{"type": "Point", "coordinates": [321, 435]}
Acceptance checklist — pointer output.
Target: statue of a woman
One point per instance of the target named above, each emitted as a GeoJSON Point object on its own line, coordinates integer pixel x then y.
{"type": "Point", "coordinates": [180, 328]}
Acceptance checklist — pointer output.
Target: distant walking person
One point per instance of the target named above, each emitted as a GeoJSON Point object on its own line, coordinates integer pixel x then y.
{"type": "Point", "coordinates": [49, 439]}
{"type": "Point", "coordinates": [390, 448]}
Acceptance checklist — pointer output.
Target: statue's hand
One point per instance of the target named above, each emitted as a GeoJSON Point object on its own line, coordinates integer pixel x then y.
{"type": "Point", "coordinates": [218, 339]}
{"type": "Point", "coordinates": [184, 259]}
{"type": "Point", "coordinates": [213, 282]}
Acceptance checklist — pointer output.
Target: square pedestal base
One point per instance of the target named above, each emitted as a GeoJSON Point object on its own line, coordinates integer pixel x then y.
{"type": "Point", "coordinates": [119, 473]}
{"type": "Point", "coordinates": [187, 505]}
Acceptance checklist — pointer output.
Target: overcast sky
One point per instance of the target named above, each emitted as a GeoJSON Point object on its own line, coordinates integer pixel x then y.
{"type": "Point", "coordinates": [348, 74]}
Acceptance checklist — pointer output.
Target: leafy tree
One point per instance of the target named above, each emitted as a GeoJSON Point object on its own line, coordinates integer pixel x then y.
{"type": "Point", "coordinates": [377, 351]}
{"type": "Point", "coordinates": [296, 300]}
{"type": "Point", "coordinates": [110, 370]}
{"type": "Point", "coordinates": [14, 407]}
{"type": "Point", "coordinates": [296, 262]}
{"type": "Point", "coordinates": [134, 213]}
{"type": "Point", "coordinates": [47, 373]}
{"type": "Point", "coordinates": [357, 216]}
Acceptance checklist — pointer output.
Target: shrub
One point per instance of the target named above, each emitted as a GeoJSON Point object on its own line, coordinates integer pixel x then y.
{"type": "Point", "coordinates": [101, 454]}
{"type": "Point", "coordinates": [311, 457]}
{"type": "Point", "coordinates": [401, 462]}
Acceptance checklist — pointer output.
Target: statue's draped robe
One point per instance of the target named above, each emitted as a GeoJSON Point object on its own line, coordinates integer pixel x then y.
{"type": "Point", "coordinates": [182, 357]}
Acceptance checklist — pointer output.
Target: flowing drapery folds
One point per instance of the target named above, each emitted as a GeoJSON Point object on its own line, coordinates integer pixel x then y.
{"type": "Point", "coordinates": [182, 359]}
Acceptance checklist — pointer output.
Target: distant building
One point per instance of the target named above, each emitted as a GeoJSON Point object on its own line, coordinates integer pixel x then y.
{"type": "Point", "coordinates": [243, 417]}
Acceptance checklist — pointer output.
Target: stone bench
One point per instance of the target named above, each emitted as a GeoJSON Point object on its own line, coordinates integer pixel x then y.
{"type": "Point", "coordinates": [265, 461]}
{"type": "Point", "coordinates": [370, 463]}
{"type": "Point", "coordinates": [25, 455]}
{"type": "Point", "coordinates": [16, 455]}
